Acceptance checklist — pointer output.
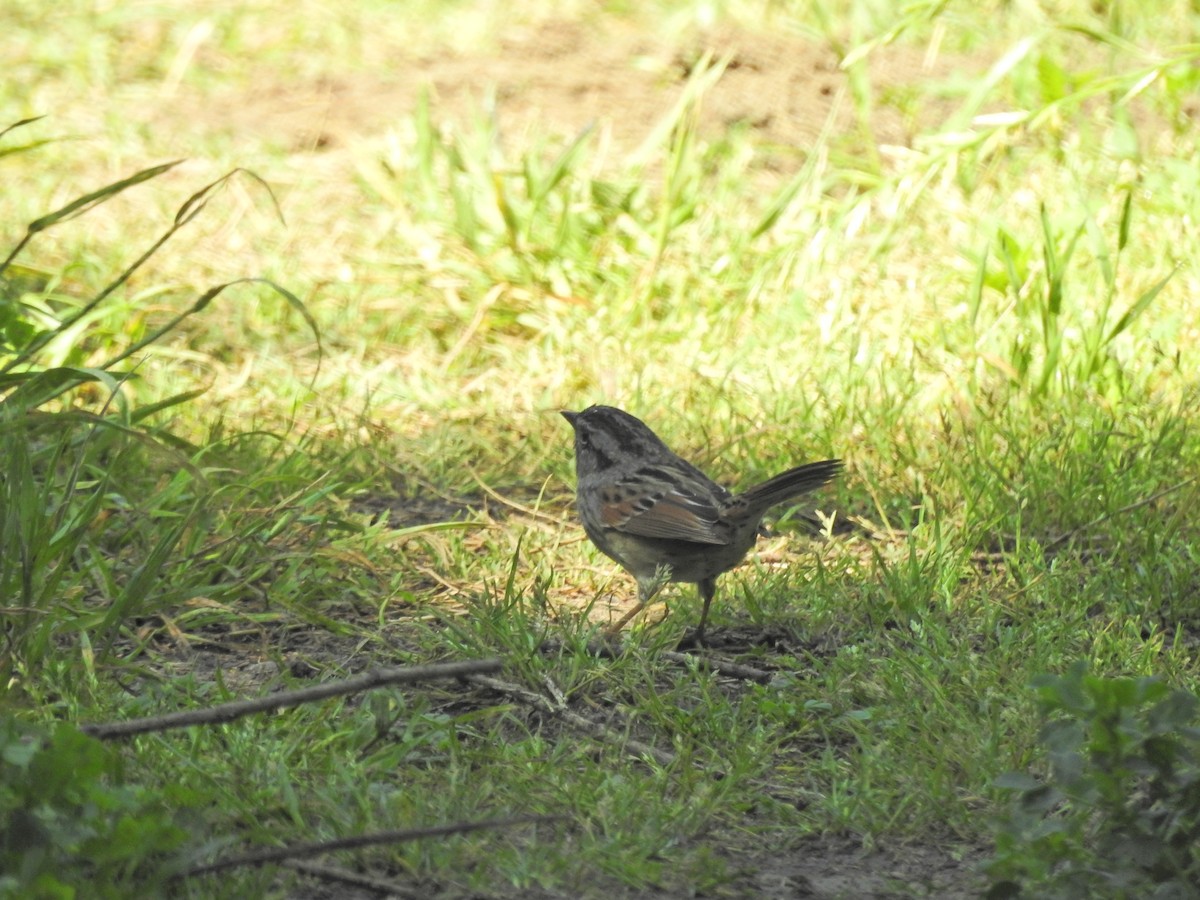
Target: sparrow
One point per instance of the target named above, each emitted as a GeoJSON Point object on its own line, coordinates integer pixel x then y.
{"type": "Point", "coordinates": [660, 517]}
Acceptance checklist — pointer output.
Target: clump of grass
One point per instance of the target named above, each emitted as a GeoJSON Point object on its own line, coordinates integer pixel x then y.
{"type": "Point", "coordinates": [88, 543]}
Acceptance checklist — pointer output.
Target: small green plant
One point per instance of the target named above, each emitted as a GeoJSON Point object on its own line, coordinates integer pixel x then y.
{"type": "Point", "coordinates": [1119, 815]}
{"type": "Point", "coordinates": [1040, 353]}
{"type": "Point", "coordinates": [69, 824]}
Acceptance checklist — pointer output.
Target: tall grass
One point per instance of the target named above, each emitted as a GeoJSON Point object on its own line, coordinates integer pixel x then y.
{"type": "Point", "coordinates": [98, 497]}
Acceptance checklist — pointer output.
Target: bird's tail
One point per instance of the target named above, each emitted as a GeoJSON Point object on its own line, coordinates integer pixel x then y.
{"type": "Point", "coordinates": [789, 484]}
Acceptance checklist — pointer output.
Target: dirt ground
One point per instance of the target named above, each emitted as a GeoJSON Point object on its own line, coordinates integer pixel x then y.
{"type": "Point", "coordinates": [818, 869]}
{"type": "Point", "coordinates": [559, 77]}
{"type": "Point", "coordinates": [555, 79]}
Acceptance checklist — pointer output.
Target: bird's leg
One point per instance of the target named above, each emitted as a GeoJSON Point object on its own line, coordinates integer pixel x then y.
{"type": "Point", "coordinates": [647, 589]}
{"type": "Point", "coordinates": [708, 588]}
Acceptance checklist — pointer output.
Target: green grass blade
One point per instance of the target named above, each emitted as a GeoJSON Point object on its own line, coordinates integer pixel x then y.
{"type": "Point", "coordinates": [1139, 307]}
{"type": "Point", "coordinates": [82, 204]}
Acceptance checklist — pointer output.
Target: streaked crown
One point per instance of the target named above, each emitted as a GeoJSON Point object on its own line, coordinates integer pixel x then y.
{"type": "Point", "coordinates": [605, 434]}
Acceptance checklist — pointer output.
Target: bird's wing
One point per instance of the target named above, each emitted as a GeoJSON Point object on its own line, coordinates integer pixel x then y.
{"type": "Point", "coordinates": [651, 509]}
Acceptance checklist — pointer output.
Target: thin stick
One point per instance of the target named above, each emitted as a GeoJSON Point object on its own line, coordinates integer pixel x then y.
{"type": "Point", "coordinates": [227, 712]}
{"type": "Point", "coordinates": [1063, 538]}
{"type": "Point", "coordinates": [597, 730]}
{"type": "Point", "coordinates": [610, 735]}
{"type": "Point", "coordinates": [343, 876]}
{"type": "Point", "coordinates": [718, 664]}
{"type": "Point", "coordinates": [311, 848]}
{"type": "Point", "coordinates": [721, 666]}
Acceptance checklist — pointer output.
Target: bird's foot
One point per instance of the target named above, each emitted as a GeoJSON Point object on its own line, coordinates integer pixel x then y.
{"type": "Point", "coordinates": [693, 639]}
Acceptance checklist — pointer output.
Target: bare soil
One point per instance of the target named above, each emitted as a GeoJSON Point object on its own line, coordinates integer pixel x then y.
{"type": "Point", "coordinates": [559, 77]}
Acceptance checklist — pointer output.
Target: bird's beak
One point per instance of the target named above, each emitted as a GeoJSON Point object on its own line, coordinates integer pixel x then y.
{"type": "Point", "coordinates": [569, 416]}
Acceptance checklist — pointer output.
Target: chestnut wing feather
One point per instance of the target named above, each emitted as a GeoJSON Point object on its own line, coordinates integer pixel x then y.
{"type": "Point", "coordinates": [662, 513]}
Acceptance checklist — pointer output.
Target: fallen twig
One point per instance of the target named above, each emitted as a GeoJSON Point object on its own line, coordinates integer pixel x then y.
{"type": "Point", "coordinates": [344, 876]}
{"type": "Point", "coordinates": [721, 666]}
{"type": "Point", "coordinates": [395, 836]}
{"type": "Point", "coordinates": [1146, 501]}
{"type": "Point", "coordinates": [227, 712]}
{"type": "Point", "coordinates": [610, 735]}
{"type": "Point", "coordinates": [598, 730]}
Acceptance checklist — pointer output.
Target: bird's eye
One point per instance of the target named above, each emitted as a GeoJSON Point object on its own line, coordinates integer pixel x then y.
{"type": "Point", "coordinates": [584, 439]}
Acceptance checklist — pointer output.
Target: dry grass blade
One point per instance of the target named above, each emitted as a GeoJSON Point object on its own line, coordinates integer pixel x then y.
{"type": "Point", "coordinates": [81, 205]}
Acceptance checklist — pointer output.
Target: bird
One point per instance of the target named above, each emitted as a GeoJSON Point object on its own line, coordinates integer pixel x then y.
{"type": "Point", "coordinates": [661, 518]}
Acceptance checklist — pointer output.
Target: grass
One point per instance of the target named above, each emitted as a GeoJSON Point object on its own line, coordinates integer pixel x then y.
{"type": "Point", "coordinates": [357, 461]}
